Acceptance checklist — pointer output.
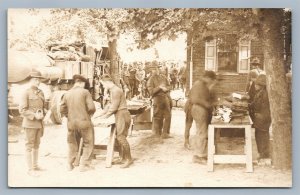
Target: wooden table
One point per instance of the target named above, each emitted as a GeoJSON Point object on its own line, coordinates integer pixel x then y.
{"type": "Point", "coordinates": [243, 123]}
{"type": "Point", "coordinates": [141, 117]}
{"type": "Point", "coordinates": [110, 147]}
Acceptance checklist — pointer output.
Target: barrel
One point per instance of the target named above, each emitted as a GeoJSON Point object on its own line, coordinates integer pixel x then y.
{"type": "Point", "coordinates": [55, 102]}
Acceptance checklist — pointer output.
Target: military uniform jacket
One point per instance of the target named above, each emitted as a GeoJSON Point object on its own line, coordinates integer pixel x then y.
{"type": "Point", "coordinates": [32, 100]}
{"type": "Point", "coordinates": [154, 82]}
{"type": "Point", "coordinates": [78, 106]}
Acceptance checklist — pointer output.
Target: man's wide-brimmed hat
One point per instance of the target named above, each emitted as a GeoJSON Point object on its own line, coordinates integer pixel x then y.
{"type": "Point", "coordinates": [210, 74]}
{"type": "Point", "coordinates": [255, 61]}
{"type": "Point", "coordinates": [79, 78]}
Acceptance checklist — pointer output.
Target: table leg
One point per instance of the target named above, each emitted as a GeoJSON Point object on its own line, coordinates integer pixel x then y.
{"type": "Point", "coordinates": [248, 140]}
{"type": "Point", "coordinates": [110, 146]}
{"type": "Point", "coordinates": [211, 148]}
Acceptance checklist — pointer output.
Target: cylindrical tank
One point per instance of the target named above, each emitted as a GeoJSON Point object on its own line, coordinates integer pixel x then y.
{"type": "Point", "coordinates": [53, 73]}
{"type": "Point", "coordinates": [19, 67]}
{"type": "Point", "coordinates": [21, 63]}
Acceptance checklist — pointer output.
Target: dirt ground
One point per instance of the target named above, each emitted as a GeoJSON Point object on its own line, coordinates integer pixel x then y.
{"type": "Point", "coordinates": [157, 163]}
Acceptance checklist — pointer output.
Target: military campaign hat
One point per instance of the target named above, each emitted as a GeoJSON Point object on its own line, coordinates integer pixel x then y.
{"type": "Point", "coordinates": [80, 78]}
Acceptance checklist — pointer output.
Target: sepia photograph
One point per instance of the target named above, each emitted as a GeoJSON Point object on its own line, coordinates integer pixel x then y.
{"type": "Point", "coordinates": [149, 97]}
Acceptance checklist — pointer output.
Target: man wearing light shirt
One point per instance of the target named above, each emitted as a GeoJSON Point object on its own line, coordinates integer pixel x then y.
{"type": "Point", "coordinates": [118, 107]}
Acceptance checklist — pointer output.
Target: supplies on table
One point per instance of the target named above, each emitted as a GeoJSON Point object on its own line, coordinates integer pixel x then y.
{"type": "Point", "coordinates": [224, 113]}
{"type": "Point", "coordinates": [238, 102]}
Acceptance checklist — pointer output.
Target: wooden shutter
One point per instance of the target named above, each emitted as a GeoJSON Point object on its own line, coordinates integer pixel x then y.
{"type": "Point", "coordinates": [244, 57]}
{"type": "Point", "coordinates": [211, 55]}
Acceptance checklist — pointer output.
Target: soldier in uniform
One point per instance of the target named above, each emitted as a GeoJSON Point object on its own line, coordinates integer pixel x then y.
{"type": "Point", "coordinates": [77, 104]}
{"type": "Point", "coordinates": [159, 89]}
{"type": "Point", "coordinates": [118, 107]}
{"type": "Point", "coordinates": [32, 109]}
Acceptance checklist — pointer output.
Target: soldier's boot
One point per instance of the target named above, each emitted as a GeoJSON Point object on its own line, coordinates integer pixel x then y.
{"type": "Point", "coordinates": [29, 160]}
{"type": "Point", "coordinates": [128, 157]}
{"type": "Point", "coordinates": [187, 144]}
{"type": "Point", "coordinates": [122, 158]}
{"type": "Point", "coordinates": [30, 171]}
{"type": "Point", "coordinates": [36, 167]}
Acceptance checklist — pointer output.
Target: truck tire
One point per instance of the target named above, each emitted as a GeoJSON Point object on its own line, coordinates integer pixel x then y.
{"type": "Point", "coordinates": [55, 106]}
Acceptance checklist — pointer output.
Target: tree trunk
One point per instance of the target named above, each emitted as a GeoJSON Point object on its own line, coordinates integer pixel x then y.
{"type": "Point", "coordinates": [279, 95]}
{"type": "Point", "coordinates": [188, 61]}
{"type": "Point", "coordinates": [114, 64]}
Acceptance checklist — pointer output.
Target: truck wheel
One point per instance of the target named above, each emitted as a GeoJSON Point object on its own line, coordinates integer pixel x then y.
{"type": "Point", "coordinates": [55, 106]}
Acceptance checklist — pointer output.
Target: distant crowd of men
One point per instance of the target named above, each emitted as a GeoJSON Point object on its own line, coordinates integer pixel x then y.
{"type": "Point", "coordinates": [134, 77]}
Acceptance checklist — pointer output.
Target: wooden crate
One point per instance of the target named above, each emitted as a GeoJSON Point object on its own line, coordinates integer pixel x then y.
{"type": "Point", "coordinates": [69, 68]}
{"type": "Point", "coordinates": [87, 69]}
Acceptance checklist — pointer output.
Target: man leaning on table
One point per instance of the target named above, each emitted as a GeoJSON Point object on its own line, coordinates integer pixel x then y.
{"type": "Point", "coordinates": [200, 98]}
{"type": "Point", "coordinates": [78, 106]}
{"type": "Point", "coordinates": [118, 107]}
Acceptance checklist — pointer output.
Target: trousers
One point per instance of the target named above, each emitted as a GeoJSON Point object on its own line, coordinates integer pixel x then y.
{"type": "Point", "coordinates": [73, 139]}
{"type": "Point", "coordinates": [188, 120]}
{"type": "Point", "coordinates": [201, 117]}
{"type": "Point", "coordinates": [161, 115]}
{"type": "Point", "coordinates": [123, 121]}
{"type": "Point", "coordinates": [262, 141]}
{"type": "Point", "coordinates": [33, 138]}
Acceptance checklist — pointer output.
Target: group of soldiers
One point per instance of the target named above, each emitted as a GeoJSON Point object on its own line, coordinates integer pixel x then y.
{"type": "Point", "coordinates": [78, 106]}
{"type": "Point", "coordinates": [134, 77]}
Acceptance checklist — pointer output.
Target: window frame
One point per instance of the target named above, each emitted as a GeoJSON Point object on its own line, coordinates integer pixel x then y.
{"type": "Point", "coordinates": [241, 44]}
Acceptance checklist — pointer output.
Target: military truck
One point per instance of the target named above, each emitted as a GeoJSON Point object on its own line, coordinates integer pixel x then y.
{"type": "Point", "coordinates": [57, 64]}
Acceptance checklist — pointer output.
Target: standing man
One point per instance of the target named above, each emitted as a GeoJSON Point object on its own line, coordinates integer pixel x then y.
{"type": "Point", "coordinates": [32, 109]}
{"type": "Point", "coordinates": [200, 98]}
{"type": "Point", "coordinates": [118, 107]}
{"type": "Point", "coordinates": [159, 89]}
{"type": "Point", "coordinates": [182, 76]}
{"type": "Point", "coordinates": [257, 66]}
{"type": "Point", "coordinates": [132, 81]}
{"type": "Point", "coordinates": [78, 106]}
{"type": "Point", "coordinates": [250, 88]}
{"type": "Point", "coordinates": [261, 117]}
{"type": "Point", "coordinates": [174, 76]}
{"type": "Point", "coordinates": [140, 76]}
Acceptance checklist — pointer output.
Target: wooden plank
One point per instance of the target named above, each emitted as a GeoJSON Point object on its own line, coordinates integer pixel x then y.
{"type": "Point", "coordinates": [230, 126]}
{"type": "Point", "coordinates": [210, 148]}
{"type": "Point", "coordinates": [235, 121]}
{"type": "Point", "coordinates": [77, 159]}
{"type": "Point", "coordinates": [229, 159]}
{"type": "Point", "coordinates": [110, 146]}
{"type": "Point", "coordinates": [248, 148]}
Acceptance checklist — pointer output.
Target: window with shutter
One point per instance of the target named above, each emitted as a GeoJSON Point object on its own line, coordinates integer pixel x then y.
{"type": "Point", "coordinates": [229, 55]}
{"type": "Point", "coordinates": [210, 55]}
{"type": "Point", "coordinates": [244, 56]}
